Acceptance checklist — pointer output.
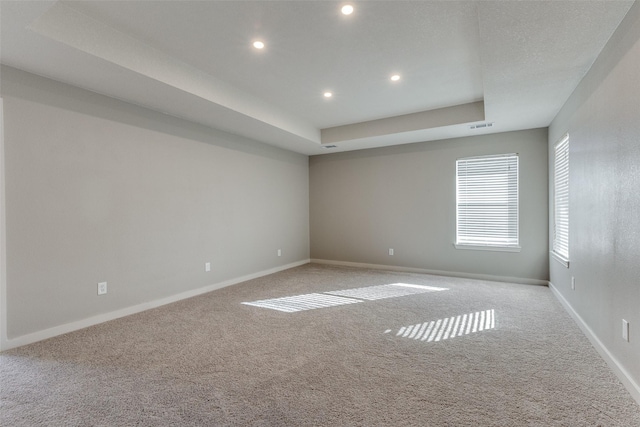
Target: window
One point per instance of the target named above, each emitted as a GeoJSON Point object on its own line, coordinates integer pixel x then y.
{"type": "Point", "coordinates": [487, 203]}
{"type": "Point", "coordinates": [561, 200]}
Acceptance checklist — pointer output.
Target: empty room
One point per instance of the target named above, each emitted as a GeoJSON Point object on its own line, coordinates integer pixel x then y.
{"type": "Point", "coordinates": [320, 213]}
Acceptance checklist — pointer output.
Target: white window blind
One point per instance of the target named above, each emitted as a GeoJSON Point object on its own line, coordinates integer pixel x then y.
{"type": "Point", "coordinates": [487, 201]}
{"type": "Point", "coordinates": [561, 199]}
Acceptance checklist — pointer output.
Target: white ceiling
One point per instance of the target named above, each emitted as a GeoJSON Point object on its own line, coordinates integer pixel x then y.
{"type": "Point", "coordinates": [510, 63]}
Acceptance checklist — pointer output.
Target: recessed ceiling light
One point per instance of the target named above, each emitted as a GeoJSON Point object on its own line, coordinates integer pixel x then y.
{"type": "Point", "coordinates": [347, 9]}
{"type": "Point", "coordinates": [395, 77]}
{"type": "Point", "coordinates": [328, 94]}
{"type": "Point", "coordinates": [258, 44]}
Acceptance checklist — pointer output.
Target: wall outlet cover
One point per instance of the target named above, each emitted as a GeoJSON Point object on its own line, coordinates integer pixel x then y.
{"type": "Point", "coordinates": [102, 288]}
{"type": "Point", "coordinates": [625, 330]}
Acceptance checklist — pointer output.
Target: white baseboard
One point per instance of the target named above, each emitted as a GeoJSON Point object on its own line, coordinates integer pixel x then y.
{"type": "Point", "coordinates": [434, 272]}
{"type": "Point", "coordinates": [616, 367]}
{"type": "Point", "coordinates": [6, 344]}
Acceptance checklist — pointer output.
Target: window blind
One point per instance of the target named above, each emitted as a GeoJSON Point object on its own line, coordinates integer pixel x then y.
{"type": "Point", "coordinates": [561, 198]}
{"type": "Point", "coordinates": [487, 201]}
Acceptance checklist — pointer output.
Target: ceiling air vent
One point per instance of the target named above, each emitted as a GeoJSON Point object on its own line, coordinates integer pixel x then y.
{"type": "Point", "coordinates": [481, 126]}
{"type": "Point", "coordinates": [329, 146]}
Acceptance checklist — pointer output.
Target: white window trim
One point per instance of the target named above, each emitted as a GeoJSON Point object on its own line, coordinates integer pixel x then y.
{"type": "Point", "coordinates": [562, 260]}
{"type": "Point", "coordinates": [491, 247]}
{"type": "Point", "coordinates": [495, 248]}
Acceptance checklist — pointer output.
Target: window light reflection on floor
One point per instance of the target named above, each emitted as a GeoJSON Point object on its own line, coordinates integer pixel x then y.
{"type": "Point", "coordinates": [393, 290]}
{"type": "Point", "coordinates": [302, 302]}
{"type": "Point", "coordinates": [348, 296]}
{"type": "Point", "coordinates": [450, 327]}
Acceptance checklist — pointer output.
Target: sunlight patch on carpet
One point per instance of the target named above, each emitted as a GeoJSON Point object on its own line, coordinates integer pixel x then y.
{"type": "Point", "coordinates": [372, 293]}
{"type": "Point", "coordinates": [302, 302]}
{"type": "Point", "coordinates": [450, 327]}
{"type": "Point", "coordinates": [343, 297]}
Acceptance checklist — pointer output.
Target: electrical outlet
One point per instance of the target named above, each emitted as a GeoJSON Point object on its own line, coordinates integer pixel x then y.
{"type": "Point", "coordinates": [207, 266]}
{"type": "Point", "coordinates": [625, 330]}
{"type": "Point", "coordinates": [390, 251]}
{"type": "Point", "coordinates": [279, 252]}
{"type": "Point", "coordinates": [102, 288]}
{"type": "Point", "coordinates": [573, 283]}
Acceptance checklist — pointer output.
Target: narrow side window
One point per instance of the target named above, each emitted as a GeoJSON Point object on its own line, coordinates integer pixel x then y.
{"type": "Point", "coordinates": [561, 200]}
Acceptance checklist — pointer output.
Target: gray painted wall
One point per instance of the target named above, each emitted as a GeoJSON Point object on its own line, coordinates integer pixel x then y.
{"type": "Point", "coordinates": [403, 197]}
{"type": "Point", "coordinates": [603, 120]}
{"type": "Point", "coordinates": [100, 190]}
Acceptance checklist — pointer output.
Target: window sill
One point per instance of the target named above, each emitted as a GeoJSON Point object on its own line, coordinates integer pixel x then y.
{"type": "Point", "coordinates": [488, 248]}
{"type": "Point", "coordinates": [562, 260]}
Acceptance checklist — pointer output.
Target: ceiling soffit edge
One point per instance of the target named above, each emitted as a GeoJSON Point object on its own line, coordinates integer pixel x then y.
{"type": "Point", "coordinates": [454, 115]}
{"type": "Point", "coordinates": [66, 25]}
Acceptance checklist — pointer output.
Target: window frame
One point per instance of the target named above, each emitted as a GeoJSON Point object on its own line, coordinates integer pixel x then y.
{"type": "Point", "coordinates": [462, 243]}
{"type": "Point", "coordinates": [560, 246]}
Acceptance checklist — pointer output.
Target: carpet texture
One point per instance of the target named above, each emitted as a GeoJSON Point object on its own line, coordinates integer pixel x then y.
{"type": "Point", "coordinates": [476, 354]}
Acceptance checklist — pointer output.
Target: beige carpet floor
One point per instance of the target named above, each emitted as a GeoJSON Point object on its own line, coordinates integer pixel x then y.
{"type": "Point", "coordinates": [474, 354]}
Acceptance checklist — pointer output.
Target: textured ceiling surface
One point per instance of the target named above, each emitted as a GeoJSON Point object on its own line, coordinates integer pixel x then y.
{"type": "Point", "coordinates": [510, 63]}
